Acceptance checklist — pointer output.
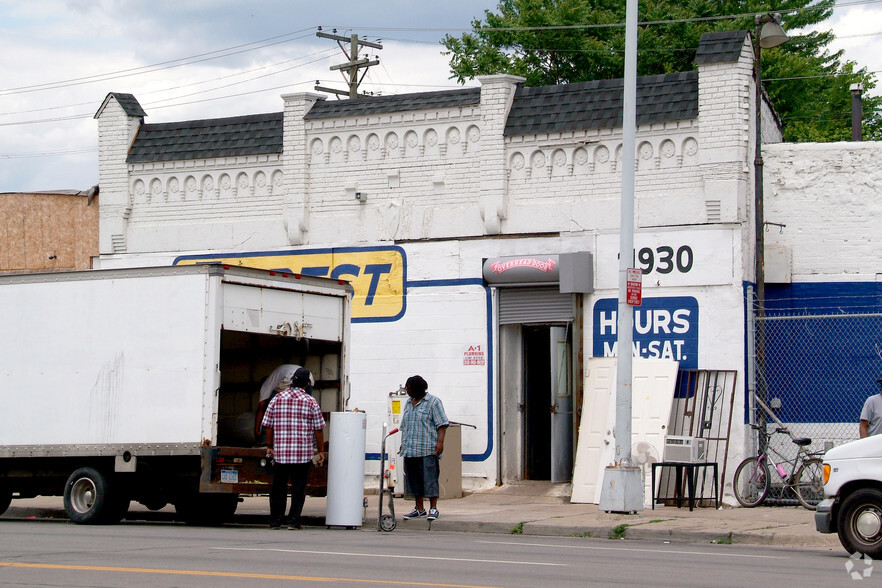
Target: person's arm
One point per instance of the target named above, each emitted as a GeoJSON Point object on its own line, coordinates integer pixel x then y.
{"type": "Point", "coordinates": [258, 417]}
{"type": "Point", "coordinates": [269, 442]}
{"type": "Point", "coordinates": [320, 445]}
{"type": "Point", "coordinates": [439, 445]}
{"type": "Point", "coordinates": [863, 427]}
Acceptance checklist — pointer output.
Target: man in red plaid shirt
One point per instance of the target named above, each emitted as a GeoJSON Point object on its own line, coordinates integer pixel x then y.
{"type": "Point", "coordinates": [293, 420]}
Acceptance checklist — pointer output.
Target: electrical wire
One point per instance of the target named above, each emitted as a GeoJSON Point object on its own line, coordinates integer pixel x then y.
{"type": "Point", "coordinates": [284, 38]}
{"type": "Point", "coordinates": [149, 68]}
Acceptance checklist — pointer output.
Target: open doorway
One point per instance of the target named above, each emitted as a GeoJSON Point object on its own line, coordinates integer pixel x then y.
{"type": "Point", "coordinates": [537, 393]}
{"type": "Point", "coordinates": [547, 403]}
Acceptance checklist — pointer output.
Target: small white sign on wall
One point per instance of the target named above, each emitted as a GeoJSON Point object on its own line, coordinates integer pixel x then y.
{"type": "Point", "coordinates": [671, 258]}
{"type": "Point", "coordinates": [474, 355]}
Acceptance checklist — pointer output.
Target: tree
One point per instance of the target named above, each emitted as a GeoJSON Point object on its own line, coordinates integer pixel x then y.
{"type": "Point", "coordinates": [560, 41]}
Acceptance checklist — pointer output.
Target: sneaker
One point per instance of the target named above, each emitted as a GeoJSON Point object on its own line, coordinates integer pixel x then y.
{"type": "Point", "coordinates": [275, 527]}
{"type": "Point", "coordinates": [415, 514]}
{"type": "Point", "coordinates": [433, 514]}
{"type": "Point", "coordinates": [294, 527]}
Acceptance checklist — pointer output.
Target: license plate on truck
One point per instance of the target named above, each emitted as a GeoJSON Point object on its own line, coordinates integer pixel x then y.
{"type": "Point", "coordinates": [229, 476]}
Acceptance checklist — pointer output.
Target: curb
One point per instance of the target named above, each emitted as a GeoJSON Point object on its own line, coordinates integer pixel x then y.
{"type": "Point", "coordinates": [643, 531]}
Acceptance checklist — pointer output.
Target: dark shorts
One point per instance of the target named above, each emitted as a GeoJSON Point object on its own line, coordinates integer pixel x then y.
{"type": "Point", "coordinates": [421, 476]}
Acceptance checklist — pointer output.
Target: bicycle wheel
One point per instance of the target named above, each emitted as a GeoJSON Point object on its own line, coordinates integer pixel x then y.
{"type": "Point", "coordinates": [808, 485]}
{"type": "Point", "coordinates": [751, 482]}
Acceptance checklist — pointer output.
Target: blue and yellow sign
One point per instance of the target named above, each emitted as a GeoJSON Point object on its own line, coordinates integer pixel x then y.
{"type": "Point", "coordinates": [377, 274]}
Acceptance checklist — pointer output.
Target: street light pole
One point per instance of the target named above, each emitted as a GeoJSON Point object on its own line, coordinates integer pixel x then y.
{"type": "Point", "coordinates": [623, 487]}
{"type": "Point", "coordinates": [768, 34]}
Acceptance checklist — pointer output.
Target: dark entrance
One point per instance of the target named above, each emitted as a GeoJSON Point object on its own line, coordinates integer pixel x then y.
{"type": "Point", "coordinates": [537, 409]}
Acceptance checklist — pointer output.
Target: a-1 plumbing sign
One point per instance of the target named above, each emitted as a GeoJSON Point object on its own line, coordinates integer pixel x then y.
{"type": "Point", "coordinates": [664, 328]}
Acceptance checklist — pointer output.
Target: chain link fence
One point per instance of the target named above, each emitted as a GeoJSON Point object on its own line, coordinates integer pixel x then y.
{"type": "Point", "coordinates": [814, 371]}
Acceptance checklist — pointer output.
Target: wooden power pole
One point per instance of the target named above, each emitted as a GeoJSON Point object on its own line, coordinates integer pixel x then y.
{"type": "Point", "coordinates": [351, 67]}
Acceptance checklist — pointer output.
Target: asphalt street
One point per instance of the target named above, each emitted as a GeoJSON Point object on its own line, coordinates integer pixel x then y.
{"type": "Point", "coordinates": [159, 554]}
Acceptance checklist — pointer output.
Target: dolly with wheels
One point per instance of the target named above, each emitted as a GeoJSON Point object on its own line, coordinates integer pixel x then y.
{"type": "Point", "coordinates": [385, 522]}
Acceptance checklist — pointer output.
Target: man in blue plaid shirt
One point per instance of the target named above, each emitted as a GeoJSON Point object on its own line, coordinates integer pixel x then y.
{"type": "Point", "coordinates": [423, 426]}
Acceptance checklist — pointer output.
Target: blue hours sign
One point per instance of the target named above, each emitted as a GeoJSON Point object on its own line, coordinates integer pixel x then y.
{"type": "Point", "coordinates": [664, 328]}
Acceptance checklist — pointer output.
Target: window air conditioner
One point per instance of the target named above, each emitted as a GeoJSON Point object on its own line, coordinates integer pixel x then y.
{"type": "Point", "coordinates": [685, 449]}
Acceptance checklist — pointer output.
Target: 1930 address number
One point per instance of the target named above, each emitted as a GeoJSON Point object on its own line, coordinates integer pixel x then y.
{"type": "Point", "coordinates": [665, 259]}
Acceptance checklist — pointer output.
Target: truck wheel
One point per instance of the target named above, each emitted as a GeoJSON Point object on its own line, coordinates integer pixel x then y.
{"type": "Point", "coordinates": [89, 498]}
{"type": "Point", "coordinates": [207, 509]}
{"type": "Point", "coordinates": [860, 522]}
{"type": "Point", "coordinates": [5, 498]}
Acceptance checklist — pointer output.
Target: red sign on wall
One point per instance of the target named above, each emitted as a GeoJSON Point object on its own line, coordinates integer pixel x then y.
{"type": "Point", "coordinates": [634, 287]}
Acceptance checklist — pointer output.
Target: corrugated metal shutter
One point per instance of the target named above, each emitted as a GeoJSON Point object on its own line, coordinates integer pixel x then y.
{"type": "Point", "coordinates": [535, 305]}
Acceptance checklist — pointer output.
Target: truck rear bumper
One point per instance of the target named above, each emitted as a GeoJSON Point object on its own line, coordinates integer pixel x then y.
{"type": "Point", "coordinates": [824, 522]}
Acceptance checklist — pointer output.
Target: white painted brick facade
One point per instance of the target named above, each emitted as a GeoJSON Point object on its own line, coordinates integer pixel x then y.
{"type": "Point", "coordinates": [828, 197]}
{"type": "Point", "coordinates": [450, 189]}
{"type": "Point", "coordinates": [436, 174]}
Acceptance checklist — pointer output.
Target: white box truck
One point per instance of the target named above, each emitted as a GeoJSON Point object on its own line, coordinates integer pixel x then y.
{"type": "Point", "coordinates": [853, 489]}
{"type": "Point", "coordinates": [142, 384]}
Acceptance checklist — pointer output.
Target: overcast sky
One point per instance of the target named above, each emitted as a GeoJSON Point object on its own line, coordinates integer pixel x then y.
{"type": "Point", "coordinates": [192, 59]}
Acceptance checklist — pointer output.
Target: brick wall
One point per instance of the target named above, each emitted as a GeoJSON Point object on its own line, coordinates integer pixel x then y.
{"type": "Point", "coordinates": [827, 195]}
{"type": "Point", "coordinates": [447, 173]}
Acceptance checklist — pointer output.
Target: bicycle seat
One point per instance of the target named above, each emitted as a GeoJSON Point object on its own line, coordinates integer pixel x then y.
{"type": "Point", "coordinates": [802, 441]}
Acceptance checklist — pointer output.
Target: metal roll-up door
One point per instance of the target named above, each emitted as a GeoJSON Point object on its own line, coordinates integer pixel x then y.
{"type": "Point", "coordinates": [535, 305]}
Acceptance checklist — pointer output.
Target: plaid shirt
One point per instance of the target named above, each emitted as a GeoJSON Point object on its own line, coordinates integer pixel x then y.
{"type": "Point", "coordinates": [419, 426]}
{"type": "Point", "coordinates": [294, 416]}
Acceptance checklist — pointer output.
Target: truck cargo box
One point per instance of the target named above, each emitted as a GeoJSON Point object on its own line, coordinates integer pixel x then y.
{"type": "Point", "coordinates": [151, 376]}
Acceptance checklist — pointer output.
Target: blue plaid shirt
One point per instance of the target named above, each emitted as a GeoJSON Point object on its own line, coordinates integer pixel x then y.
{"type": "Point", "coordinates": [419, 426]}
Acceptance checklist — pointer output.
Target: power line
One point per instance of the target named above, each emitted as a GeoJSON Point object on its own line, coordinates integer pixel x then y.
{"type": "Point", "coordinates": [251, 46]}
{"type": "Point", "coordinates": [199, 83]}
{"type": "Point", "coordinates": [609, 25]}
{"type": "Point", "coordinates": [58, 153]}
{"type": "Point", "coordinates": [151, 68]}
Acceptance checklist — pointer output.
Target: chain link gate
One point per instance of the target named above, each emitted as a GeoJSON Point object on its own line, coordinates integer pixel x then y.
{"type": "Point", "coordinates": [813, 371]}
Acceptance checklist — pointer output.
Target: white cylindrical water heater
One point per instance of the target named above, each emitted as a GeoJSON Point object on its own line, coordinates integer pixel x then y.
{"type": "Point", "coordinates": [345, 503]}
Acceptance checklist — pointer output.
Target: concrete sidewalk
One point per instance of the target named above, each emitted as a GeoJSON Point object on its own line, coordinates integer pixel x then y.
{"type": "Point", "coordinates": [534, 508]}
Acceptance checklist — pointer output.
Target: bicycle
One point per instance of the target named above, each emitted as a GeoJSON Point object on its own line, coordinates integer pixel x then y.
{"type": "Point", "coordinates": [753, 480]}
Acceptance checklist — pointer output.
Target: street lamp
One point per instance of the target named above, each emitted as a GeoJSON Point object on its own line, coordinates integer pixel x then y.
{"type": "Point", "coordinates": [768, 34]}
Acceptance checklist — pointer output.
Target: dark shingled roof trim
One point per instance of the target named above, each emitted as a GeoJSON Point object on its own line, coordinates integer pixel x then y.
{"type": "Point", "coordinates": [598, 104]}
{"type": "Point", "coordinates": [129, 104]}
{"type": "Point", "coordinates": [720, 47]}
{"type": "Point", "coordinates": [367, 105]}
{"type": "Point", "coordinates": [255, 134]}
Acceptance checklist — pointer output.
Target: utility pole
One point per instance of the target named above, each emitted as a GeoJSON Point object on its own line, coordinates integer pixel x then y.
{"type": "Point", "coordinates": [351, 67]}
{"type": "Point", "coordinates": [622, 489]}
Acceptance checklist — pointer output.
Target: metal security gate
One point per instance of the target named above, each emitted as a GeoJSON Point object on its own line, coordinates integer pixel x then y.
{"type": "Point", "coordinates": [535, 305]}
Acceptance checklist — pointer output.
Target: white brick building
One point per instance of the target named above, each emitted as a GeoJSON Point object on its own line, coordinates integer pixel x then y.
{"type": "Point", "coordinates": [407, 196]}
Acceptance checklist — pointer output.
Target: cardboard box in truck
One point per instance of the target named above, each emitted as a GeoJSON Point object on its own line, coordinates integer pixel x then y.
{"type": "Point", "coordinates": [142, 384]}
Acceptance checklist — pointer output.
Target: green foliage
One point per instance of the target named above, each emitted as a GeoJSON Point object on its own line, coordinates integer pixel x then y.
{"type": "Point", "coordinates": [561, 41]}
{"type": "Point", "coordinates": [618, 532]}
{"type": "Point", "coordinates": [518, 529]}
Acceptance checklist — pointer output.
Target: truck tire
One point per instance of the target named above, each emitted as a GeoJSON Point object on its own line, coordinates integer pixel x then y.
{"type": "Point", "coordinates": [5, 498]}
{"type": "Point", "coordinates": [860, 522]}
{"type": "Point", "coordinates": [207, 510]}
{"type": "Point", "coordinates": [89, 498]}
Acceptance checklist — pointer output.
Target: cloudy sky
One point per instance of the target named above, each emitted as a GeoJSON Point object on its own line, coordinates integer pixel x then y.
{"type": "Point", "coordinates": [191, 59]}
